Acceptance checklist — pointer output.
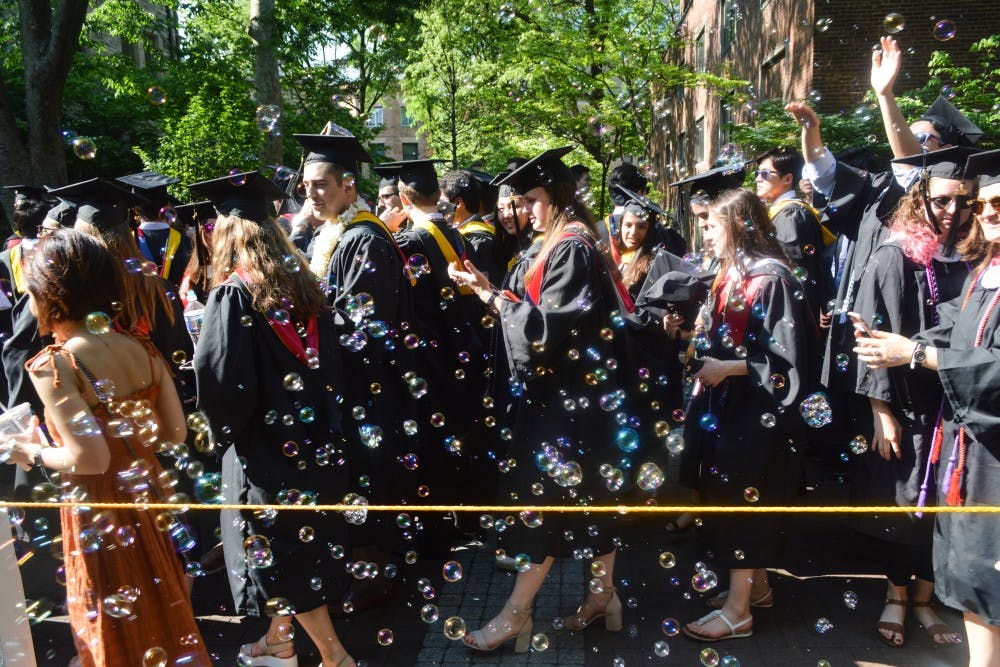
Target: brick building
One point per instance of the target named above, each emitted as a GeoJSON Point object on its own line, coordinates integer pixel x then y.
{"type": "Point", "coordinates": [788, 48]}
{"type": "Point", "coordinates": [396, 135]}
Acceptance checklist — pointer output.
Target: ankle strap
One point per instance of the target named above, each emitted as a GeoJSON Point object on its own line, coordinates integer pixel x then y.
{"type": "Point", "coordinates": [517, 612]}
{"type": "Point", "coordinates": [901, 603]}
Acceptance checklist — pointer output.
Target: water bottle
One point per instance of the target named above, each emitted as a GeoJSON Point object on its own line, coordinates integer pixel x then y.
{"type": "Point", "coordinates": [194, 313]}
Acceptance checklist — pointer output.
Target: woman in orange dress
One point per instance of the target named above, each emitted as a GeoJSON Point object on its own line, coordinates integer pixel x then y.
{"type": "Point", "coordinates": [110, 404]}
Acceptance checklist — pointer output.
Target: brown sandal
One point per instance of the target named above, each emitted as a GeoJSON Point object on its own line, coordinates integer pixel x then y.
{"type": "Point", "coordinates": [889, 626]}
{"type": "Point", "coordinates": [937, 629]}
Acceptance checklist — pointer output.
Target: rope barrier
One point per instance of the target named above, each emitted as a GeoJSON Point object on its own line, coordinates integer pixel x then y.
{"type": "Point", "coordinates": [570, 509]}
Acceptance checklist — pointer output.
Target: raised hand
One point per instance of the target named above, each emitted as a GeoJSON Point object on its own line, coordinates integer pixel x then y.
{"type": "Point", "coordinates": [885, 66]}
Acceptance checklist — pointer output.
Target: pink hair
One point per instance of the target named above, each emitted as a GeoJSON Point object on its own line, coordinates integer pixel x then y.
{"type": "Point", "coordinates": [919, 242]}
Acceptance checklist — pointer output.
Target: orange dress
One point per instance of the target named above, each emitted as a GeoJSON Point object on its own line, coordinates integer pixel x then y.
{"type": "Point", "coordinates": [125, 593]}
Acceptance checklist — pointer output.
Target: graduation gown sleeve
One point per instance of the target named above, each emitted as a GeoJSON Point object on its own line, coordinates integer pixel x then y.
{"type": "Point", "coordinates": [366, 262]}
{"type": "Point", "coordinates": [971, 380]}
{"type": "Point", "coordinates": [881, 293]}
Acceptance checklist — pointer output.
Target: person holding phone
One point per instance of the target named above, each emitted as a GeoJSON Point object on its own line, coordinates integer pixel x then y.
{"type": "Point", "coordinates": [914, 271]}
{"type": "Point", "coordinates": [963, 466]}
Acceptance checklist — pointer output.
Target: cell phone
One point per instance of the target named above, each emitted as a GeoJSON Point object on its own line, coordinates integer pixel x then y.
{"type": "Point", "coordinates": [860, 324]}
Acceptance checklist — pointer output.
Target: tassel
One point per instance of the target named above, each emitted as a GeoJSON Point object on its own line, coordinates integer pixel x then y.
{"type": "Point", "coordinates": [954, 495]}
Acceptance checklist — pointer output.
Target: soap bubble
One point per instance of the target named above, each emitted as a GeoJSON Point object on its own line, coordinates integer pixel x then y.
{"type": "Point", "coordinates": [293, 382]}
{"type": "Point", "coordinates": [768, 420]}
{"type": "Point", "coordinates": [84, 148]}
{"type": "Point", "coordinates": [154, 657]}
{"type": "Point", "coordinates": [815, 96]}
{"type": "Point", "coordinates": [704, 581]}
{"type": "Point", "coordinates": [751, 494]}
{"type": "Point", "coordinates": [98, 323]}
{"type": "Point", "coordinates": [944, 30]}
{"type": "Point", "coordinates": [267, 116]}
{"type": "Point", "coordinates": [429, 613]}
{"type": "Point", "coordinates": [507, 13]}
{"type": "Point", "coordinates": [452, 571]}
{"type": "Point", "coordinates": [816, 411]}
{"type": "Point", "coordinates": [859, 445]}
{"type": "Point", "coordinates": [708, 422]}
{"type": "Point", "coordinates": [661, 649]}
{"type": "Point", "coordinates": [385, 637]}
{"type": "Point", "coordinates": [540, 642]}
{"type": "Point", "coordinates": [823, 24]}
{"type": "Point", "coordinates": [823, 626]}
{"type": "Point", "coordinates": [670, 627]}
{"type": "Point", "coordinates": [709, 657]}
{"type": "Point", "coordinates": [454, 628]}
{"type": "Point", "coordinates": [894, 23]}
{"type": "Point", "coordinates": [667, 560]}
{"type": "Point", "coordinates": [850, 599]}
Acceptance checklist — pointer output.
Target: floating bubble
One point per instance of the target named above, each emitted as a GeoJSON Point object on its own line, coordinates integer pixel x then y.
{"type": "Point", "coordinates": [627, 440]}
{"type": "Point", "coordinates": [894, 23]}
{"type": "Point", "coordinates": [944, 30]}
{"type": "Point", "coordinates": [661, 649]}
{"type": "Point", "coordinates": [708, 422]}
{"type": "Point", "coordinates": [768, 420]}
{"type": "Point", "coordinates": [371, 435]}
{"type": "Point", "coordinates": [267, 117]}
{"type": "Point", "coordinates": [98, 323]}
{"type": "Point", "coordinates": [454, 628]}
{"type": "Point", "coordinates": [540, 642]}
{"type": "Point", "coordinates": [751, 494]}
{"type": "Point", "coordinates": [117, 605]}
{"type": "Point", "coordinates": [649, 477]}
{"type": "Point", "coordinates": [667, 560]}
{"type": "Point", "coordinates": [859, 445]}
{"type": "Point", "coordinates": [154, 657]}
{"type": "Point", "coordinates": [84, 148]}
{"type": "Point", "coordinates": [675, 443]}
{"type": "Point", "coordinates": [384, 637]}
{"type": "Point", "coordinates": [842, 360]}
{"type": "Point", "coordinates": [451, 571]}
{"type": "Point", "coordinates": [850, 599]}
{"type": "Point", "coordinates": [293, 382]}
{"type": "Point", "coordinates": [823, 24]}
{"type": "Point", "coordinates": [670, 627]}
{"type": "Point", "coordinates": [709, 657]}
{"type": "Point", "coordinates": [948, 92]}
{"type": "Point", "coordinates": [815, 96]}
{"type": "Point", "coordinates": [729, 661]}
{"type": "Point", "coordinates": [704, 581]}
{"type": "Point", "coordinates": [823, 626]}
{"type": "Point", "coordinates": [816, 411]}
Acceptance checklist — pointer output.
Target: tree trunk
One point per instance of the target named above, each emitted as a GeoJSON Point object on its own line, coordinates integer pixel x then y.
{"type": "Point", "coordinates": [267, 80]}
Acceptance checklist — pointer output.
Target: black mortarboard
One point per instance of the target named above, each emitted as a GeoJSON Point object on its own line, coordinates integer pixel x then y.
{"type": "Point", "coordinates": [390, 182]}
{"type": "Point", "coordinates": [673, 285]}
{"type": "Point", "coordinates": [945, 163]}
{"type": "Point", "coordinates": [190, 215]}
{"type": "Point", "coordinates": [248, 195]}
{"type": "Point", "coordinates": [541, 170]}
{"type": "Point", "coordinates": [100, 202]}
{"type": "Point", "coordinates": [985, 166]}
{"type": "Point", "coordinates": [63, 214]}
{"type": "Point", "coordinates": [641, 200]}
{"type": "Point", "coordinates": [714, 182]}
{"type": "Point", "coordinates": [954, 127]}
{"type": "Point", "coordinates": [151, 185]}
{"type": "Point", "coordinates": [343, 150]}
{"type": "Point", "coordinates": [27, 191]}
{"type": "Point", "coordinates": [417, 174]}
{"type": "Point", "coordinates": [481, 176]}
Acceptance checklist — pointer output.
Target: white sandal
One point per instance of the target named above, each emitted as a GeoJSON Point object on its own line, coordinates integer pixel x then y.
{"type": "Point", "coordinates": [718, 613]}
{"type": "Point", "coordinates": [266, 658]}
{"type": "Point", "coordinates": [522, 638]}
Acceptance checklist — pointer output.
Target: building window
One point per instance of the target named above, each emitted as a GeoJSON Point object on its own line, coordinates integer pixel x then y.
{"type": "Point", "coordinates": [682, 154]}
{"type": "Point", "coordinates": [411, 151]}
{"type": "Point", "coordinates": [376, 118]}
{"type": "Point", "coordinates": [404, 118]}
{"type": "Point", "coordinates": [699, 140]}
{"type": "Point", "coordinates": [725, 121]}
{"type": "Point", "coordinates": [771, 84]}
{"type": "Point", "coordinates": [378, 151]}
{"type": "Point", "coordinates": [730, 13]}
{"type": "Point", "coordinates": [700, 48]}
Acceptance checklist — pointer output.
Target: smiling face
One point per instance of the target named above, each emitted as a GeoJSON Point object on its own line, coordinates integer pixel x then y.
{"type": "Point", "coordinates": [942, 194]}
{"type": "Point", "coordinates": [634, 230]}
{"type": "Point", "coordinates": [717, 235]}
{"type": "Point", "coordinates": [989, 219]}
{"type": "Point", "coordinates": [536, 208]}
{"type": "Point", "coordinates": [329, 197]}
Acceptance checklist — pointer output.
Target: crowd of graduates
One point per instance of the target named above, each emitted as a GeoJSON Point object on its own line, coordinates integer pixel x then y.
{"type": "Point", "coordinates": [483, 339]}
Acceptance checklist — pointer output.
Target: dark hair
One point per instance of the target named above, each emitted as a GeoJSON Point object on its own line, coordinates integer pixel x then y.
{"type": "Point", "coordinates": [28, 215]}
{"type": "Point", "coordinates": [197, 270]}
{"type": "Point", "coordinates": [70, 275]}
{"type": "Point", "coordinates": [579, 170]}
{"type": "Point", "coordinates": [637, 269]}
{"type": "Point", "coordinates": [564, 208]}
{"type": "Point", "coordinates": [461, 184]}
{"type": "Point", "coordinates": [749, 227]}
{"type": "Point", "coordinates": [628, 176]}
{"type": "Point", "coordinates": [786, 161]}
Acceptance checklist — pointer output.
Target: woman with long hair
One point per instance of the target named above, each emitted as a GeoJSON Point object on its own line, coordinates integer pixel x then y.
{"type": "Point", "coordinates": [636, 241]}
{"type": "Point", "coordinates": [908, 277]}
{"type": "Point", "coordinates": [563, 338]}
{"type": "Point", "coordinates": [964, 455]}
{"type": "Point", "coordinates": [756, 343]}
{"type": "Point", "coordinates": [197, 278]}
{"type": "Point", "coordinates": [269, 374]}
{"type": "Point", "coordinates": [110, 406]}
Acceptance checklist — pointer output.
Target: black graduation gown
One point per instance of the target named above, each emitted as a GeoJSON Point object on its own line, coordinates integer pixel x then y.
{"type": "Point", "coordinates": [156, 244]}
{"type": "Point", "coordinates": [280, 443]}
{"type": "Point", "coordinates": [367, 261]}
{"type": "Point", "coordinates": [564, 351]}
{"type": "Point", "coordinates": [965, 545]}
{"type": "Point", "coordinates": [6, 316]}
{"type": "Point", "coordinates": [479, 248]}
{"type": "Point", "coordinates": [801, 237]}
{"type": "Point", "coordinates": [743, 459]}
{"type": "Point", "coordinates": [895, 292]}
{"type": "Point", "coordinates": [452, 358]}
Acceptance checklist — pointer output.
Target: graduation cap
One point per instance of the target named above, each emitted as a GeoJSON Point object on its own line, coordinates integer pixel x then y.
{"type": "Point", "coordinates": [151, 185]}
{"type": "Point", "coordinates": [247, 195]}
{"type": "Point", "coordinates": [954, 127]}
{"type": "Point", "coordinates": [673, 285]}
{"type": "Point", "coordinates": [190, 215]}
{"type": "Point", "coordinates": [945, 163]}
{"type": "Point", "coordinates": [388, 182]}
{"type": "Point", "coordinates": [62, 214]}
{"type": "Point", "coordinates": [985, 166]}
{"type": "Point", "coordinates": [710, 184]}
{"type": "Point", "coordinates": [100, 202]}
{"type": "Point", "coordinates": [541, 170]}
{"type": "Point", "coordinates": [27, 191]}
{"type": "Point", "coordinates": [641, 200]}
{"type": "Point", "coordinates": [343, 150]}
{"type": "Point", "coordinates": [417, 174]}
{"type": "Point", "coordinates": [484, 179]}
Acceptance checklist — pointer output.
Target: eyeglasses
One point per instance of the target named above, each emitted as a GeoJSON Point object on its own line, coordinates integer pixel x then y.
{"type": "Point", "coordinates": [44, 231]}
{"type": "Point", "coordinates": [979, 205]}
{"type": "Point", "coordinates": [387, 195]}
{"type": "Point", "coordinates": [923, 137]}
{"type": "Point", "coordinates": [765, 174]}
{"type": "Point", "coordinates": [945, 202]}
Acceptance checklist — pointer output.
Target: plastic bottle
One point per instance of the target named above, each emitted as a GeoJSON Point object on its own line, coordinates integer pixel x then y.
{"type": "Point", "coordinates": [194, 313]}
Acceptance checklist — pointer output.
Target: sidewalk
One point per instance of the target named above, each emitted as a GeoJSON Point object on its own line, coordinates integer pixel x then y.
{"type": "Point", "coordinates": [784, 635]}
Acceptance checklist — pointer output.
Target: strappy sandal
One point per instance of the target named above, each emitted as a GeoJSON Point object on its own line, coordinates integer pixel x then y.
{"type": "Point", "coordinates": [937, 629]}
{"type": "Point", "coordinates": [733, 627]}
{"type": "Point", "coordinates": [522, 638]}
{"type": "Point", "coordinates": [611, 612]}
{"type": "Point", "coordinates": [765, 601]}
{"type": "Point", "coordinates": [266, 651]}
{"type": "Point", "coordinates": [890, 626]}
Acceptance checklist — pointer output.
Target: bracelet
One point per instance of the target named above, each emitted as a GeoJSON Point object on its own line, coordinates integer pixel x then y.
{"type": "Point", "coordinates": [491, 302]}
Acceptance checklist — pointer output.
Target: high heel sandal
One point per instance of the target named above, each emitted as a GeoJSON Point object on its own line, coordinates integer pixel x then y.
{"type": "Point", "coordinates": [522, 638]}
{"type": "Point", "coordinates": [266, 657]}
{"type": "Point", "coordinates": [611, 612]}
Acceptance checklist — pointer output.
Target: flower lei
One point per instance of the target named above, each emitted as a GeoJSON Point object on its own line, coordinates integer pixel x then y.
{"type": "Point", "coordinates": [329, 236]}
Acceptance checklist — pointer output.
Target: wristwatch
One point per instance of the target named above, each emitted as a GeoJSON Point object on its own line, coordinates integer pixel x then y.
{"type": "Point", "coordinates": [919, 355]}
{"type": "Point", "coordinates": [37, 461]}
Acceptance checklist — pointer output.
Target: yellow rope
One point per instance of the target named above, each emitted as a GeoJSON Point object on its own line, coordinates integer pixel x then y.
{"type": "Point", "coordinates": [596, 509]}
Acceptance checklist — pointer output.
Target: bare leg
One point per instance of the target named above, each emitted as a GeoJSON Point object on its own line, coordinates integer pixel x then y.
{"type": "Point", "coordinates": [922, 591]}
{"type": "Point", "coordinates": [319, 626]}
{"type": "Point", "coordinates": [984, 641]}
{"type": "Point", "coordinates": [506, 624]}
{"type": "Point", "coordinates": [736, 607]}
{"type": "Point", "coordinates": [894, 613]}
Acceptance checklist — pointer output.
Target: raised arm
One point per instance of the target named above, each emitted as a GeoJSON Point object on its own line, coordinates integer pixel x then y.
{"type": "Point", "coordinates": [885, 68]}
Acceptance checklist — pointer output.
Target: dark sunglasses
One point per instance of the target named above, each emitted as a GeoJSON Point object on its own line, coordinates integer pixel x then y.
{"type": "Point", "coordinates": [387, 195]}
{"type": "Point", "coordinates": [765, 174]}
{"type": "Point", "coordinates": [979, 205]}
{"type": "Point", "coordinates": [923, 137]}
{"type": "Point", "coordinates": [944, 202]}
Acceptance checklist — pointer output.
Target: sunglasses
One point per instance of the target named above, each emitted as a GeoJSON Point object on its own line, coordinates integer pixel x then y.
{"type": "Point", "coordinates": [945, 202]}
{"type": "Point", "coordinates": [765, 174]}
{"type": "Point", "coordinates": [979, 205]}
{"type": "Point", "coordinates": [387, 195]}
{"type": "Point", "coordinates": [923, 137]}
